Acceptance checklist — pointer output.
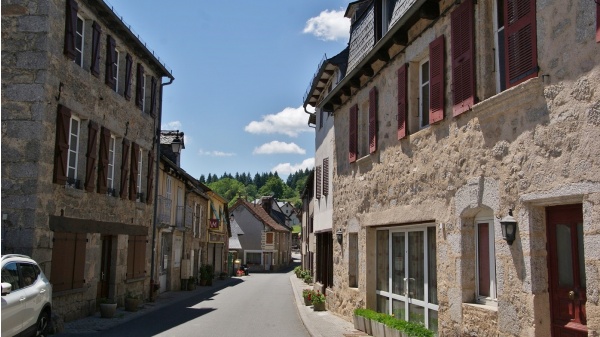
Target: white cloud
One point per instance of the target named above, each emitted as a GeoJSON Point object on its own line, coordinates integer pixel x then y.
{"type": "Point", "coordinates": [278, 147]}
{"type": "Point", "coordinates": [173, 125]}
{"type": "Point", "coordinates": [329, 26]}
{"type": "Point", "coordinates": [287, 168]}
{"type": "Point", "coordinates": [289, 121]}
{"type": "Point", "coordinates": [215, 153]}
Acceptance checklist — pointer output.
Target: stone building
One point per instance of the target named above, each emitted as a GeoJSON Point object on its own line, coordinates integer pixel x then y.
{"type": "Point", "coordinates": [81, 96]}
{"type": "Point", "coordinates": [215, 247]}
{"type": "Point", "coordinates": [452, 115]}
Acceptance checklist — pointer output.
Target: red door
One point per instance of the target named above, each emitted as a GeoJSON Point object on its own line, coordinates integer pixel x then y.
{"type": "Point", "coordinates": [566, 267]}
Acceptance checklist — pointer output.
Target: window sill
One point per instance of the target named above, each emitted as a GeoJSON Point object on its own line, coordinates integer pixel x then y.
{"type": "Point", "coordinates": [481, 306]}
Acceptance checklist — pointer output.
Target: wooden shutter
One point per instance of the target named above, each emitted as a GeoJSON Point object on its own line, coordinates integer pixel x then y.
{"type": "Point", "coordinates": [139, 86]}
{"type": "Point", "coordinates": [130, 257]}
{"type": "Point", "coordinates": [111, 57]}
{"type": "Point", "coordinates": [96, 32]}
{"type": "Point", "coordinates": [135, 160]}
{"type": "Point", "coordinates": [103, 163]}
{"type": "Point", "coordinates": [373, 120]}
{"type": "Point", "coordinates": [318, 182]}
{"type": "Point", "coordinates": [128, 66]}
{"type": "Point", "coordinates": [91, 156]}
{"type": "Point", "coordinates": [149, 177]}
{"type": "Point", "coordinates": [140, 256]}
{"type": "Point", "coordinates": [124, 169]}
{"type": "Point", "coordinates": [153, 96]}
{"type": "Point", "coordinates": [520, 41]}
{"type": "Point", "coordinates": [353, 134]}
{"type": "Point", "coordinates": [463, 66]}
{"type": "Point", "coordinates": [63, 249]}
{"type": "Point", "coordinates": [61, 149]}
{"type": "Point", "coordinates": [326, 176]}
{"type": "Point", "coordinates": [79, 261]}
{"type": "Point", "coordinates": [70, 29]}
{"type": "Point", "coordinates": [436, 80]}
{"type": "Point", "coordinates": [402, 100]}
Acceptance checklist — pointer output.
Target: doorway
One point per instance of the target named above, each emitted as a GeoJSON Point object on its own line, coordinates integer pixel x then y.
{"type": "Point", "coordinates": [105, 264]}
{"type": "Point", "coordinates": [566, 268]}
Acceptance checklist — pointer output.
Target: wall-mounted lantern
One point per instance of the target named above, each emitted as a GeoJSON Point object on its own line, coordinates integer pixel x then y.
{"type": "Point", "coordinates": [340, 236]}
{"type": "Point", "coordinates": [509, 227]}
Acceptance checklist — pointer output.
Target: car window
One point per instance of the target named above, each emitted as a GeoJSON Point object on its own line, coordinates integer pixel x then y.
{"type": "Point", "coordinates": [10, 275]}
{"type": "Point", "coordinates": [28, 274]}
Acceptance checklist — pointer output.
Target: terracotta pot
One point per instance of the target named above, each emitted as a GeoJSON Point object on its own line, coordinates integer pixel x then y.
{"type": "Point", "coordinates": [107, 310]}
{"type": "Point", "coordinates": [319, 306]}
{"type": "Point", "coordinates": [132, 304]}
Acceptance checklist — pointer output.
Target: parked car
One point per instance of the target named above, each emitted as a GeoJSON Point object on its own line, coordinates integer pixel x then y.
{"type": "Point", "coordinates": [26, 297]}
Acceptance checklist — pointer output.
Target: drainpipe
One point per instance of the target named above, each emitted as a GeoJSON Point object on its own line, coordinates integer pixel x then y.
{"type": "Point", "coordinates": [155, 208]}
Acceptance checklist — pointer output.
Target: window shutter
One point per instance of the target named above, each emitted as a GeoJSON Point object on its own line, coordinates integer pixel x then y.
{"type": "Point", "coordinates": [63, 249]}
{"type": "Point", "coordinates": [128, 66]}
{"type": "Point", "coordinates": [373, 120]}
{"type": "Point", "coordinates": [353, 134]}
{"type": "Point", "coordinates": [318, 182]}
{"type": "Point", "coordinates": [96, 32]}
{"type": "Point", "coordinates": [436, 80]}
{"type": "Point", "coordinates": [111, 57]}
{"type": "Point", "coordinates": [130, 257]}
{"type": "Point", "coordinates": [124, 169]}
{"type": "Point", "coordinates": [139, 89]}
{"type": "Point", "coordinates": [79, 261]}
{"type": "Point", "coordinates": [103, 164]}
{"type": "Point", "coordinates": [402, 101]}
{"type": "Point", "coordinates": [61, 152]}
{"type": "Point", "coordinates": [153, 96]}
{"type": "Point", "coordinates": [326, 176]}
{"type": "Point", "coordinates": [520, 41]}
{"type": "Point", "coordinates": [135, 153]}
{"type": "Point", "coordinates": [149, 177]}
{"type": "Point", "coordinates": [91, 155]}
{"type": "Point", "coordinates": [463, 66]}
{"type": "Point", "coordinates": [140, 256]}
{"type": "Point", "coordinates": [70, 28]}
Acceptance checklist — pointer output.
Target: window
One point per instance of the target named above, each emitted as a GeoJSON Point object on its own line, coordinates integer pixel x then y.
{"type": "Point", "coordinates": [140, 87]}
{"type": "Point", "coordinates": [402, 101]}
{"type": "Point", "coordinates": [499, 49]}
{"type": "Point", "coordinates": [74, 33]}
{"type": "Point", "coordinates": [96, 33]}
{"type": "Point", "coordinates": [520, 41]}
{"type": "Point", "coordinates": [424, 93]}
{"type": "Point", "coordinates": [112, 63]}
{"type": "Point", "coordinates": [10, 274]}
{"type": "Point", "coordinates": [91, 156]}
{"type": "Point", "coordinates": [325, 176]}
{"type": "Point", "coordinates": [123, 188]}
{"type": "Point", "coordinates": [73, 153]}
{"type": "Point", "coordinates": [486, 259]}
{"type": "Point", "coordinates": [150, 177]}
{"type": "Point", "coordinates": [68, 261]}
{"type": "Point", "coordinates": [136, 256]}
{"type": "Point", "coordinates": [110, 179]}
{"type": "Point", "coordinates": [136, 168]}
{"type": "Point", "coordinates": [353, 134]}
{"type": "Point", "coordinates": [139, 177]}
{"type": "Point", "coordinates": [384, 10]}
{"type": "Point", "coordinates": [79, 34]}
{"type": "Point", "coordinates": [318, 182]}
{"type": "Point", "coordinates": [372, 132]}
{"type": "Point", "coordinates": [269, 240]}
{"type": "Point", "coordinates": [353, 274]}
{"type": "Point", "coordinates": [128, 66]}
{"type": "Point", "coordinates": [463, 66]}
{"type": "Point", "coordinates": [363, 130]}
{"type": "Point", "coordinates": [168, 187]}
{"type": "Point", "coordinates": [253, 258]}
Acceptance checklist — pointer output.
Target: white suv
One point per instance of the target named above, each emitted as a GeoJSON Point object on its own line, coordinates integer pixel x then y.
{"type": "Point", "coordinates": [26, 297]}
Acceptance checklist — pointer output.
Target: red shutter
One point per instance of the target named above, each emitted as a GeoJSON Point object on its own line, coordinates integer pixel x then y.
{"type": "Point", "coordinates": [149, 177]}
{"type": "Point", "coordinates": [520, 41]}
{"type": "Point", "coordinates": [135, 159]}
{"type": "Point", "coordinates": [124, 169]}
{"type": "Point", "coordinates": [91, 155]}
{"type": "Point", "coordinates": [436, 80]}
{"type": "Point", "coordinates": [326, 176]}
{"type": "Point", "coordinates": [103, 163]}
{"type": "Point", "coordinates": [153, 96]}
{"type": "Point", "coordinates": [96, 32]}
{"type": "Point", "coordinates": [318, 182]}
{"type": "Point", "coordinates": [79, 261]}
{"type": "Point", "coordinates": [111, 57]}
{"type": "Point", "coordinates": [139, 86]}
{"type": "Point", "coordinates": [140, 257]}
{"type": "Point", "coordinates": [63, 119]}
{"type": "Point", "coordinates": [128, 66]}
{"type": "Point", "coordinates": [353, 134]}
{"type": "Point", "coordinates": [402, 101]}
{"type": "Point", "coordinates": [373, 120]}
{"type": "Point", "coordinates": [463, 66]}
{"type": "Point", "coordinates": [70, 28]}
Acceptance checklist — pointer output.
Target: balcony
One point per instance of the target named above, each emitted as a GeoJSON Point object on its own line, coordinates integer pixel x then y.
{"type": "Point", "coordinates": [164, 210]}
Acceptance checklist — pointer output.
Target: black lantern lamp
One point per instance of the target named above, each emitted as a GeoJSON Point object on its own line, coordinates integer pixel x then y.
{"type": "Point", "coordinates": [340, 236]}
{"type": "Point", "coordinates": [509, 227]}
{"type": "Point", "coordinates": [176, 144]}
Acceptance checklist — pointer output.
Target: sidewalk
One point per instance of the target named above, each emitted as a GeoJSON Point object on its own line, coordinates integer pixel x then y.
{"type": "Point", "coordinates": [321, 323]}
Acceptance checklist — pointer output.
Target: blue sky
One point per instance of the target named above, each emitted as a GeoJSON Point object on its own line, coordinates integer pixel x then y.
{"type": "Point", "coordinates": [241, 69]}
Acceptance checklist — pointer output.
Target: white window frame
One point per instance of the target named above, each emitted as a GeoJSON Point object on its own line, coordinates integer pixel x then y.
{"type": "Point", "coordinates": [82, 35]}
{"type": "Point", "coordinates": [139, 175]}
{"type": "Point", "coordinates": [73, 150]}
{"type": "Point", "coordinates": [110, 175]}
{"type": "Point", "coordinates": [115, 66]}
{"type": "Point", "coordinates": [493, 298]}
{"type": "Point", "coordinates": [386, 15]}
{"type": "Point", "coordinates": [499, 58]}
{"type": "Point", "coordinates": [168, 187]}
{"type": "Point", "coordinates": [424, 82]}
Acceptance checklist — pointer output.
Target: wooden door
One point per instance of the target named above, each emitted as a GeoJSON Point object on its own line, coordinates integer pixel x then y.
{"type": "Point", "coordinates": [566, 265]}
{"type": "Point", "coordinates": [105, 263]}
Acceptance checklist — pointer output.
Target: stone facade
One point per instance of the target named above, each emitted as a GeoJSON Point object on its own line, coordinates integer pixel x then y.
{"type": "Point", "coordinates": [525, 148]}
{"type": "Point", "coordinates": [38, 80]}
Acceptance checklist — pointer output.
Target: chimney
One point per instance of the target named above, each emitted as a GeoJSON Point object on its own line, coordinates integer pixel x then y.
{"type": "Point", "coordinates": [266, 203]}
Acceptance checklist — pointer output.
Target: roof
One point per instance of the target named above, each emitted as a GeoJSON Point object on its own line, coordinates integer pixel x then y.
{"type": "Point", "coordinates": [324, 74]}
{"type": "Point", "coordinates": [235, 228]}
{"type": "Point", "coordinates": [260, 214]}
{"type": "Point", "coordinates": [234, 241]}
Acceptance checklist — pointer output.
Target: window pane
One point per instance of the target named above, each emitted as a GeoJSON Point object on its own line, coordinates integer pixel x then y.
{"type": "Point", "coordinates": [416, 313]}
{"type": "Point", "coordinates": [433, 321]}
{"type": "Point", "coordinates": [28, 273]}
{"type": "Point", "coordinates": [565, 257]}
{"type": "Point", "coordinates": [398, 267]}
{"type": "Point", "coordinates": [432, 265]}
{"type": "Point", "coordinates": [383, 304]}
{"type": "Point", "coordinates": [399, 309]}
{"type": "Point", "coordinates": [416, 279]}
{"type": "Point", "coordinates": [483, 259]}
{"type": "Point", "coordinates": [383, 260]}
{"type": "Point", "coordinates": [11, 275]}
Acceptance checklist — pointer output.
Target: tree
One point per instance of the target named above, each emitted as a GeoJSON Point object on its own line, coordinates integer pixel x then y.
{"type": "Point", "coordinates": [228, 188]}
{"type": "Point", "coordinates": [202, 179]}
{"type": "Point", "coordinates": [273, 186]}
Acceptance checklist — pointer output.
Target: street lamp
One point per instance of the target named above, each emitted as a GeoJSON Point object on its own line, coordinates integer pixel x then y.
{"type": "Point", "coordinates": [176, 144]}
{"type": "Point", "coordinates": [509, 227]}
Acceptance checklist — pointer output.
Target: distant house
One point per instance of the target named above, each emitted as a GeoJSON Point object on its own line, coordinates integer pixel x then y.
{"type": "Point", "coordinates": [266, 244]}
{"type": "Point", "coordinates": [235, 246]}
{"type": "Point", "coordinates": [290, 211]}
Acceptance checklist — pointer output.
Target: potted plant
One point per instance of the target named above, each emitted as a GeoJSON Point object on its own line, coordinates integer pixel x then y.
{"type": "Point", "coordinates": [191, 283]}
{"type": "Point", "coordinates": [307, 294]}
{"type": "Point", "coordinates": [297, 271]}
{"type": "Point", "coordinates": [222, 276]}
{"type": "Point", "coordinates": [132, 302]}
{"type": "Point", "coordinates": [108, 307]}
{"type": "Point", "coordinates": [307, 279]}
{"type": "Point", "coordinates": [206, 275]}
{"type": "Point", "coordinates": [318, 301]}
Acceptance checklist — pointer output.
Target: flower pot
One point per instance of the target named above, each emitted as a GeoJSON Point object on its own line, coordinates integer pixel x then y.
{"type": "Point", "coordinates": [319, 306]}
{"type": "Point", "coordinates": [360, 323]}
{"type": "Point", "coordinates": [107, 310]}
{"type": "Point", "coordinates": [203, 282]}
{"type": "Point", "coordinates": [307, 301]}
{"type": "Point", "coordinates": [132, 304]}
{"type": "Point", "coordinates": [368, 329]}
{"type": "Point", "coordinates": [391, 332]}
{"type": "Point", "coordinates": [377, 329]}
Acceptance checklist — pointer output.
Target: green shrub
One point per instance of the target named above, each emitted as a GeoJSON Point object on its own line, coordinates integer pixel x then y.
{"type": "Point", "coordinates": [412, 329]}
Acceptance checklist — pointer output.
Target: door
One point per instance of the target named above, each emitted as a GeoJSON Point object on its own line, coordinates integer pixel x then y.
{"type": "Point", "coordinates": [267, 260]}
{"type": "Point", "coordinates": [566, 266]}
{"type": "Point", "coordinates": [105, 262]}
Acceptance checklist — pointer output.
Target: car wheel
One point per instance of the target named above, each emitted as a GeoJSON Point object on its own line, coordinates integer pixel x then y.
{"type": "Point", "coordinates": [42, 324]}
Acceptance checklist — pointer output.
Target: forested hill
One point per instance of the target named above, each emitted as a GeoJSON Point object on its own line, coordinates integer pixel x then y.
{"type": "Point", "coordinates": [232, 186]}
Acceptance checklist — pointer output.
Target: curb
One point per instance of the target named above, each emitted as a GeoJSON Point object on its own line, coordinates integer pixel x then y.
{"type": "Point", "coordinates": [302, 308]}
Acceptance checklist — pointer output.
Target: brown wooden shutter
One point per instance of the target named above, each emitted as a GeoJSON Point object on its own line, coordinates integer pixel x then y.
{"type": "Point", "coordinates": [63, 249]}
{"type": "Point", "coordinates": [124, 169]}
{"type": "Point", "coordinates": [353, 134]}
{"type": "Point", "coordinates": [128, 66]}
{"type": "Point", "coordinates": [103, 164]}
{"type": "Point", "coordinates": [61, 149]}
{"type": "Point", "coordinates": [326, 176]}
{"type": "Point", "coordinates": [91, 155]}
{"type": "Point", "coordinates": [373, 120]}
{"type": "Point", "coordinates": [71, 29]}
{"type": "Point", "coordinates": [318, 182]}
{"type": "Point", "coordinates": [96, 32]}
{"type": "Point", "coordinates": [153, 96]}
{"type": "Point", "coordinates": [135, 159]}
{"type": "Point", "coordinates": [130, 257]}
{"type": "Point", "coordinates": [111, 57]}
{"type": "Point", "coordinates": [436, 80]}
{"type": "Point", "coordinates": [402, 100]}
{"type": "Point", "coordinates": [520, 41]}
{"type": "Point", "coordinates": [139, 86]}
{"type": "Point", "coordinates": [463, 66]}
{"type": "Point", "coordinates": [149, 177]}
{"type": "Point", "coordinates": [79, 261]}
{"type": "Point", "coordinates": [140, 256]}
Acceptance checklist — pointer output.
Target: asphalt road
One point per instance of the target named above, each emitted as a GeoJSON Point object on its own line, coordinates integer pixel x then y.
{"type": "Point", "coordinates": [259, 305]}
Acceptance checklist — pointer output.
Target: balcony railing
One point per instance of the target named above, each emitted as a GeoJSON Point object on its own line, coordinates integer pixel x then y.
{"type": "Point", "coordinates": [164, 210]}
